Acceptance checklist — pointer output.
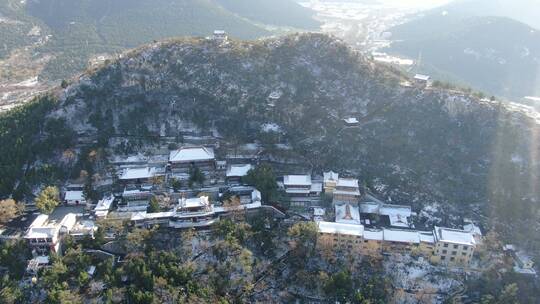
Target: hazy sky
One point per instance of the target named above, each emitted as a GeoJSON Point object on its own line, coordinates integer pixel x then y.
{"type": "Point", "coordinates": [416, 3]}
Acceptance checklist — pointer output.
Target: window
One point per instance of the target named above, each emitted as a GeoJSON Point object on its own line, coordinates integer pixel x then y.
{"type": "Point", "coordinates": [365, 241]}
{"type": "Point", "coordinates": [443, 258]}
{"type": "Point", "coordinates": [445, 245]}
{"type": "Point", "coordinates": [465, 247]}
{"type": "Point", "coordinates": [456, 246]}
{"type": "Point", "coordinates": [445, 251]}
{"type": "Point", "coordinates": [463, 253]}
{"type": "Point", "coordinates": [454, 252]}
{"type": "Point", "coordinates": [452, 259]}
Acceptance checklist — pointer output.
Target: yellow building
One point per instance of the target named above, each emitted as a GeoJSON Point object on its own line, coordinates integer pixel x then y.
{"type": "Point", "coordinates": [453, 246]}
{"type": "Point", "coordinates": [338, 236]}
{"type": "Point", "coordinates": [372, 244]}
{"type": "Point", "coordinates": [400, 241]}
{"type": "Point", "coordinates": [427, 243]}
{"type": "Point", "coordinates": [443, 245]}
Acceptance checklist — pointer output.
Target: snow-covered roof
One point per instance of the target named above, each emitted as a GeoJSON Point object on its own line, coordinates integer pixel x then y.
{"type": "Point", "coordinates": [330, 176]}
{"type": "Point", "coordinates": [351, 120]}
{"type": "Point", "coordinates": [376, 235]}
{"type": "Point", "coordinates": [219, 32]}
{"type": "Point", "coordinates": [271, 127]}
{"type": "Point", "coordinates": [138, 173]}
{"type": "Point", "coordinates": [223, 209]}
{"type": "Point", "coordinates": [104, 204]}
{"type": "Point", "coordinates": [41, 232]}
{"type": "Point", "coordinates": [68, 221]}
{"type": "Point", "coordinates": [340, 228]}
{"type": "Point", "coordinates": [319, 211]}
{"type": "Point", "coordinates": [42, 228]}
{"type": "Point", "coordinates": [509, 247]}
{"type": "Point", "coordinates": [91, 270]}
{"type": "Point", "coordinates": [316, 187]}
{"type": "Point", "coordinates": [401, 236]}
{"type": "Point", "coordinates": [398, 214]}
{"type": "Point", "coordinates": [42, 259]}
{"type": "Point", "coordinates": [421, 77]}
{"type": "Point", "coordinates": [297, 180]}
{"type": "Point", "coordinates": [347, 182]}
{"type": "Point", "coordinates": [426, 237]}
{"type": "Point", "coordinates": [455, 236]}
{"type": "Point", "coordinates": [191, 154]}
{"type": "Point", "coordinates": [39, 221]}
{"type": "Point", "coordinates": [194, 202]}
{"type": "Point", "coordinates": [475, 230]}
{"type": "Point", "coordinates": [74, 196]}
{"type": "Point", "coordinates": [238, 170]}
{"type": "Point", "coordinates": [369, 207]}
{"type": "Point", "coordinates": [524, 258]}
{"type": "Point", "coordinates": [138, 216]}
{"type": "Point", "coordinates": [347, 214]}
{"type": "Point", "coordinates": [275, 95]}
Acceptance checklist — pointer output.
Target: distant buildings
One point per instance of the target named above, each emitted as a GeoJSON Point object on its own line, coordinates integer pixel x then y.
{"type": "Point", "coordinates": [139, 175]}
{"type": "Point", "coordinates": [340, 236]}
{"type": "Point", "coordinates": [297, 185]}
{"type": "Point", "coordinates": [422, 80]}
{"type": "Point", "coordinates": [301, 190]}
{"type": "Point", "coordinates": [193, 213]}
{"type": "Point", "coordinates": [220, 36]}
{"type": "Point", "coordinates": [442, 245]}
{"type": "Point", "coordinates": [236, 172]}
{"type": "Point", "coordinates": [330, 180]}
{"type": "Point", "coordinates": [453, 246]}
{"type": "Point", "coordinates": [186, 157]}
{"type": "Point", "coordinates": [375, 213]}
{"type": "Point", "coordinates": [103, 207]}
{"type": "Point", "coordinates": [523, 264]}
{"type": "Point", "coordinates": [74, 197]}
{"type": "Point", "coordinates": [45, 235]}
{"type": "Point", "coordinates": [351, 122]}
{"type": "Point", "coordinates": [347, 190]}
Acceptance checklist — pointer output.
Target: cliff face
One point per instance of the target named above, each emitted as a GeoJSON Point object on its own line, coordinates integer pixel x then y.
{"type": "Point", "coordinates": [416, 146]}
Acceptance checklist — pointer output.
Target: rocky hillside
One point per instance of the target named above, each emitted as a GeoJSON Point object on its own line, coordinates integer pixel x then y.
{"type": "Point", "coordinates": [56, 39]}
{"type": "Point", "coordinates": [413, 146]}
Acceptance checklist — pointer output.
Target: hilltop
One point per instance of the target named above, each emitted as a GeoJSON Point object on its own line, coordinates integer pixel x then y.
{"type": "Point", "coordinates": [413, 146]}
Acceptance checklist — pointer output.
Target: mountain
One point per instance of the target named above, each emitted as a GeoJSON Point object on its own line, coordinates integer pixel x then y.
{"type": "Point", "coordinates": [525, 11]}
{"type": "Point", "coordinates": [273, 12]}
{"type": "Point", "coordinates": [415, 146]}
{"type": "Point", "coordinates": [67, 34]}
{"type": "Point", "coordinates": [496, 55]}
